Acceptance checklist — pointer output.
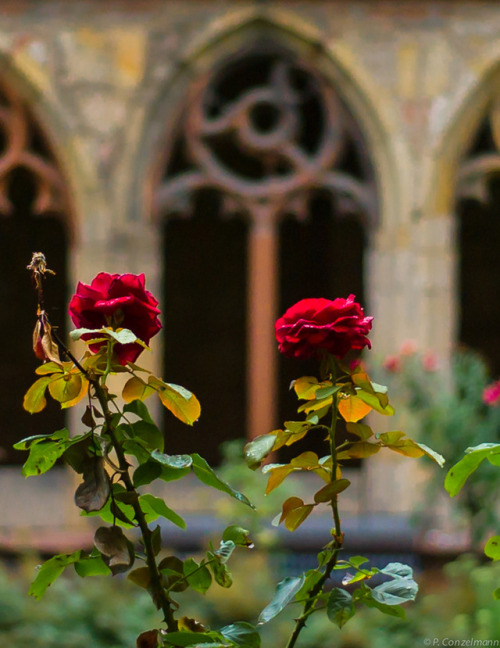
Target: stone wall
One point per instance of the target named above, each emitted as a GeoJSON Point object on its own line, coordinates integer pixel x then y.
{"type": "Point", "coordinates": [107, 84]}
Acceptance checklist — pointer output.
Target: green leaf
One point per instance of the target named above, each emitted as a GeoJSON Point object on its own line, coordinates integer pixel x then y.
{"type": "Point", "coordinates": [155, 507]}
{"type": "Point", "coordinates": [496, 594]}
{"type": "Point", "coordinates": [285, 592]}
{"type": "Point", "coordinates": [458, 474]}
{"type": "Point", "coordinates": [242, 634]}
{"type": "Point", "coordinates": [492, 548]}
{"type": "Point", "coordinates": [390, 610]}
{"type": "Point", "coordinates": [138, 408]}
{"type": "Point", "coordinates": [34, 399]}
{"type": "Point", "coordinates": [208, 477]}
{"type": "Point", "coordinates": [258, 449]}
{"type": "Point", "coordinates": [146, 473]}
{"type": "Point", "coordinates": [198, 575]}
{"type": "Point", "coordinates": [149, 434]}
{"type": "Point", "coordinates": [397, 570]}
{"type": "Point", "coordinates": [339, 607]}
{"type": "Point", "coordinates": [238, 535]}
{"type": "Point", "coordinates": [92, 565]}
{"type": "Point", "coordinates": [396, 591]}
{"type": "Point", "coordinates": [178, 462]}
{"type": "Point", "coordinates": [50, 571]}
{"type": "Point", "coordinates": [197, 639]}
{"type": "Point", "coordinates": [182, 403]}
{"type": "Point", "coordinates": [44, 451]}
{"type": "Point", "coordinates": [123, 336]}
{"type": "Point", "coordinates": [222, 575]}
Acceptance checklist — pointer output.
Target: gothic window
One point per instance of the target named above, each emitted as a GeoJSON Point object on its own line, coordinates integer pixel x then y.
{"type": "Point", "coordinates": [479, 241]}
{"type": "Point", "coordinates": [32, 201]}
{"type": "Point", "coordinates": [266, 196]}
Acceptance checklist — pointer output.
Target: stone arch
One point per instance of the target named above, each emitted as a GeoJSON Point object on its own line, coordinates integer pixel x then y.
{"type": "Point", "coordinates": [469, 109]}
{"type": "Point", "coordinates": [49, 115]}
{"type": "Point", "coordinates": [230, 36]}
{"type": "Point", "coordinates": [371, 110]}
{"type": "Point", "coordinates": [35, 215]}
{"type": "Point", "coordinates": [467, 162]}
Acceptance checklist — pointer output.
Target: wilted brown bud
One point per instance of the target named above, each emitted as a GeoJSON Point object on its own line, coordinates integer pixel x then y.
{"type": "Point", "coordinates": [43, 345]}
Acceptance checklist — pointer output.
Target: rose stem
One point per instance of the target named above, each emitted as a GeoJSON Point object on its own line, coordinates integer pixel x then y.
{"type": "Point", "coordinates": [338, 538]}
{"type": "Point", "coordinates": [159, 596]}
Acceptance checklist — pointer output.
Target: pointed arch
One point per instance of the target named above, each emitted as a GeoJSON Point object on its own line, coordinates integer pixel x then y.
{"type": "Point", "coordinates": [373, 112]}
{"type": "Point", "coordinates": [466, 193]}
{"type": "Point", "coordinates": [35, 215]}
{"type": "Point", "coordinates": [237, 36]}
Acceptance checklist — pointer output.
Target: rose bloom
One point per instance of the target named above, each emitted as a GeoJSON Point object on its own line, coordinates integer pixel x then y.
{"type": "Point", "coordinates": [119, 301]}
{"type": "Point", "coordinates": [491, 394]}
{"type": "Point", "coordinates": [312, 325]}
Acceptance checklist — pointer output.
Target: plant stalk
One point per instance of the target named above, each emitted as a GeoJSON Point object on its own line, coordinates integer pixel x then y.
{"type": "Point", "coordinates": [158, 593]}
{"type": "Point", "coordinates": [315, 591]}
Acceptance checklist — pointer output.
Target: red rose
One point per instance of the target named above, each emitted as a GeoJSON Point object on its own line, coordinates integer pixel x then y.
{"type": "Point", "coordinates": [310, 325]}
{"type": "Point", "coordinates": [119, 301]}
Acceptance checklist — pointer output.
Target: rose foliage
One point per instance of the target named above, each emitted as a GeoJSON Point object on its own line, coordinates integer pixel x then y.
{"type": "Point", "coordinates": [121, 451]}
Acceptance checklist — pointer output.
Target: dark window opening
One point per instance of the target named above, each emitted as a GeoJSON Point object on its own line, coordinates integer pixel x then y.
{"type": "Point", "coordinates": [479, 275]}
{"type": "Point", "coordinates": [319, 257]}
{"type": "Point", "coordinates": [21, 234]}
{"type": "Point", "coordinates": [205, 325]}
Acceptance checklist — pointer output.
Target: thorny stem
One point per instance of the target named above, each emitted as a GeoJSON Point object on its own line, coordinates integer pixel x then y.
{"type": "Point", "coordinates": [38, 267]}
{"type": "Point", "coordinates": [335, 547]}
{"type": "Point", "coordinates": [158, 593]}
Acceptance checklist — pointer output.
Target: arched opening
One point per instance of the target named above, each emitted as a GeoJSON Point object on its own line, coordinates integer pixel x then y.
{"type": "Point", "coordinates": [266, 195]}
{"type": "Point", "coordinates": [32, 202]}
{"type": "Point", "coordinates": [478, 208]}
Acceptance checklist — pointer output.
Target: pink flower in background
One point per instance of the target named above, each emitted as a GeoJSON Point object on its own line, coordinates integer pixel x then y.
{"type": "Point", "coordinates": [408, 348]}
{"type": "Point", "coordinates": [312, 325]}
{"type": "Point", "coordinates": [491, 394]}
{"type": "Point", "coordinates": [429, 361]}
{"type": "Point", "coordinates": [392, 364]}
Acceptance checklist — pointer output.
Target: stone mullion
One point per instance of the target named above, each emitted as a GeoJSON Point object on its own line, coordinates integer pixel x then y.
{"type": "Point", "coordinates": [262, 296]}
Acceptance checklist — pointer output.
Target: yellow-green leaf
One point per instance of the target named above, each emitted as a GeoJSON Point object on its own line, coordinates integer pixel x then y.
{"type": "Point", "coordinates": [136, 389]}
{"type": "Point", "coordinates": [298, 515]}
{"type": "Point", "coordinates": [34, 399]}
{"type": "Point", "coordinates": [277, 475]}
{"type": "Point", "coordinates": [359, 450]}
{"type": "Point", "coordinates": [182, 403]}
{"type": "Point", "coordinates": [66, 387]}
{"type": "Point", "coordinates": [378, 402]}
{"type": "Point", "coordinates": [306, 387]}
{"type": "Point", "coordinates": [49, 368]}
{"type": "Point", "coordinates": [315, 405]}
{"type": "Point", "coordinates": [329, 491]}
{"type": "Point", "coordinates": [359, 429]}
{"type": "Point", "coordinates": [352, 409]}
{"type": "Point", "coordinates": [81, 394]}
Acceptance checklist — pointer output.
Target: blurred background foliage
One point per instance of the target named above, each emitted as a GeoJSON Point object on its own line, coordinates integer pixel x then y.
{"type": "Point", "coordinates": [109, 613]}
